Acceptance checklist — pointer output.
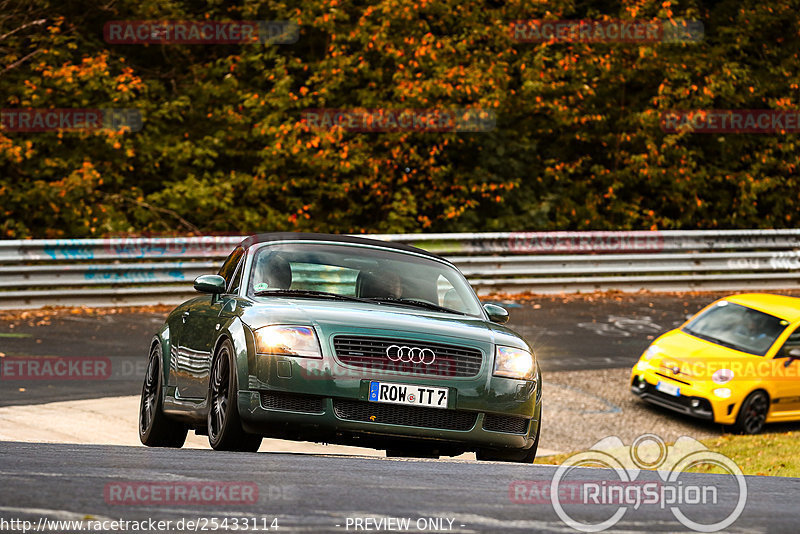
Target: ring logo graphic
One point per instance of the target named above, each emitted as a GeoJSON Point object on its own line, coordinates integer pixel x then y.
{"type": "Point", "coordinates": [698, 503]}
{"type": "Point", "coordinates": [405, 354]}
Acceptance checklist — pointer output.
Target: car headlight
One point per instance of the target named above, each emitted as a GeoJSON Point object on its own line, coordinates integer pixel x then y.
{"type": "Point", "coordinates": [651, 351]}
{"type": "Point", "coordinates": [722, 376]}
{"type": "Point", "coordinates": [288, 341]}
{"type": "Point", "coordinates": [514, 363]}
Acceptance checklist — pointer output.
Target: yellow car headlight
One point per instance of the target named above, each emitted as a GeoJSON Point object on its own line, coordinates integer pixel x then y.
{"type": "Point", "coordinates": [286, 340]}
{"type": "Point", "coordinates": [510, 362]}
{"type": "Point", "coordinates": [651, 351]}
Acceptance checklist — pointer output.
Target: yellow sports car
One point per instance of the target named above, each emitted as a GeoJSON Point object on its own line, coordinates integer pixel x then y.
{"type": "Point", "coordinates": [736, 362]}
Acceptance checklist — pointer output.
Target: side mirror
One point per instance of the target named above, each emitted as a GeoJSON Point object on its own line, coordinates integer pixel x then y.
{"type": "Point", "coordinates": [497, 314]}
{"type": "Point", "coordinates": [791, 355]}
{"type": "Point", "coordinates": [210, 283]}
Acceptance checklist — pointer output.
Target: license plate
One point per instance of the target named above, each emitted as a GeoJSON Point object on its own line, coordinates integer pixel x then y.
{"type": "Point", "coordinates": [669, 389]}
{"type": "Point", "coordinates": [408, 394]}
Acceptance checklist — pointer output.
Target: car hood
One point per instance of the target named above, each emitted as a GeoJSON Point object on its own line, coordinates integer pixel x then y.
{"type": "Point", "coordinates": [336, 317]}
{"type": "Point", "coordinates": [694, 357]}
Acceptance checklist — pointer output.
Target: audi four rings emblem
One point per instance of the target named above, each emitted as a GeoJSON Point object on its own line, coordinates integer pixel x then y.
{"type": "Point", "coordinates": [404, 354]}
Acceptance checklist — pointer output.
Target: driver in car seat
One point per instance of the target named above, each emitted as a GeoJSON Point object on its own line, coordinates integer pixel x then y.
{"type": "Point", "coordinates": [380, 285]}
{"type": "Point", "coordinates": [394, 284]}
{"type": "Point", "coordinates": [274, 272]}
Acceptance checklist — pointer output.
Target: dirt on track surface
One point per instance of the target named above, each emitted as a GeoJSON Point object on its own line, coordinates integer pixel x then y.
{"type": "Point", "coordinates": [582, 407]}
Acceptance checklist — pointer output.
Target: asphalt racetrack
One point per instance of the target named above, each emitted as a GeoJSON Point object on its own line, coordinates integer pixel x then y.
{"type": "Point", "coordinates": [567, 334]}
{"type": "Point", "coordinates": [355, 491]}
{"type": "Point", "coordinates": [318, 493]}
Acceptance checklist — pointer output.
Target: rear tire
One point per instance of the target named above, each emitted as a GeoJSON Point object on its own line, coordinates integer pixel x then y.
{"type": "Point", "coordinates": [155, 428]}
{"type": "Point", "coordinates": [753, 414]}
{"type": "Point", "coordinates": [524, 456]}
{"type": "Point", "coordinates": [225, 431]}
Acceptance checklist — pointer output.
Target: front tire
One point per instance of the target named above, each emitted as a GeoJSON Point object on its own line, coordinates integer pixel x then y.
{"type": "Point", "coordinates": [225, 431]}
{"type": "Point", "coordinates": [753, 414]}
{"type": "Point", "coordinates": [155, 428]}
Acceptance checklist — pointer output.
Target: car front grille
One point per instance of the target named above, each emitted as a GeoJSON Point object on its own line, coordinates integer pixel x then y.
{"type": "Point", "coordinates": [696, 406]}
{"type": "Point", "coordinates": [673, 378]}
{"type": "Point", "coordinates": [371, 412]}
{"type": "Point", "coordinates": [509, 424]}
{"type": "Point", "coordinates": [371, 353]}
{"type": "Point", "coordinates": [291, 402]}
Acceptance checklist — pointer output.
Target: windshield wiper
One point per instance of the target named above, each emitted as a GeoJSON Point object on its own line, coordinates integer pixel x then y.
{"type": "Point", "coordinates": [307, 293]}
{"type": "Point", "coordinates": [371, 300]}
{"type": "Point", "coordinates": [415, 302]}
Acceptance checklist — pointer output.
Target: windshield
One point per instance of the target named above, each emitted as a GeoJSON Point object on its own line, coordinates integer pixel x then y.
{"type": "Point", "coordinates": [737, 327]}
{"type": "Point", "coordinates": [376, 275]}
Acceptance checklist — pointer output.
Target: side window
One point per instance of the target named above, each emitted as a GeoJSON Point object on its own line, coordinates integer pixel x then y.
{"type": "Point", "coordinates": [792, 343]}
{"type": "Point", "coordinates": [228, 268]}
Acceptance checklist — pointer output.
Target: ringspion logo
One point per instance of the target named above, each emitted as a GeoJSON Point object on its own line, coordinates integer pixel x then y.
{"type": "Point", "coordinates": [697, 503]}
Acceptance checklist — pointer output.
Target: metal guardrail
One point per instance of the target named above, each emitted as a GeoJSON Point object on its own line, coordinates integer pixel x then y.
{"type": "Point", "coordinates": [132, 271]}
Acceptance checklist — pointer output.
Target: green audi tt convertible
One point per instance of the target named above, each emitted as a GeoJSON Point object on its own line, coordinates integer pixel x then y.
{"type": "Point", "coordinates": [347, 340]}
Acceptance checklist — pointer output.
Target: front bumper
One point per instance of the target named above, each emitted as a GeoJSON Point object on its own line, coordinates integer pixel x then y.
{"type": "Point", "coordinates": [694, 400]}
{"type": "Point", "coordinates": [337, 422]}
{"type": "Point", "coordinates": [323, 400]}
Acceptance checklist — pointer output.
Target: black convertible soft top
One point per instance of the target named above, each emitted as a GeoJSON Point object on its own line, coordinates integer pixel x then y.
{"type": "Point", "coordinates": [334, 238]}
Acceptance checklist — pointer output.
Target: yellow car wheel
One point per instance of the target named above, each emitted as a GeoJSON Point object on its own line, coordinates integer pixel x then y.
{"type": "Point", "coordinates": [752, 414]}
